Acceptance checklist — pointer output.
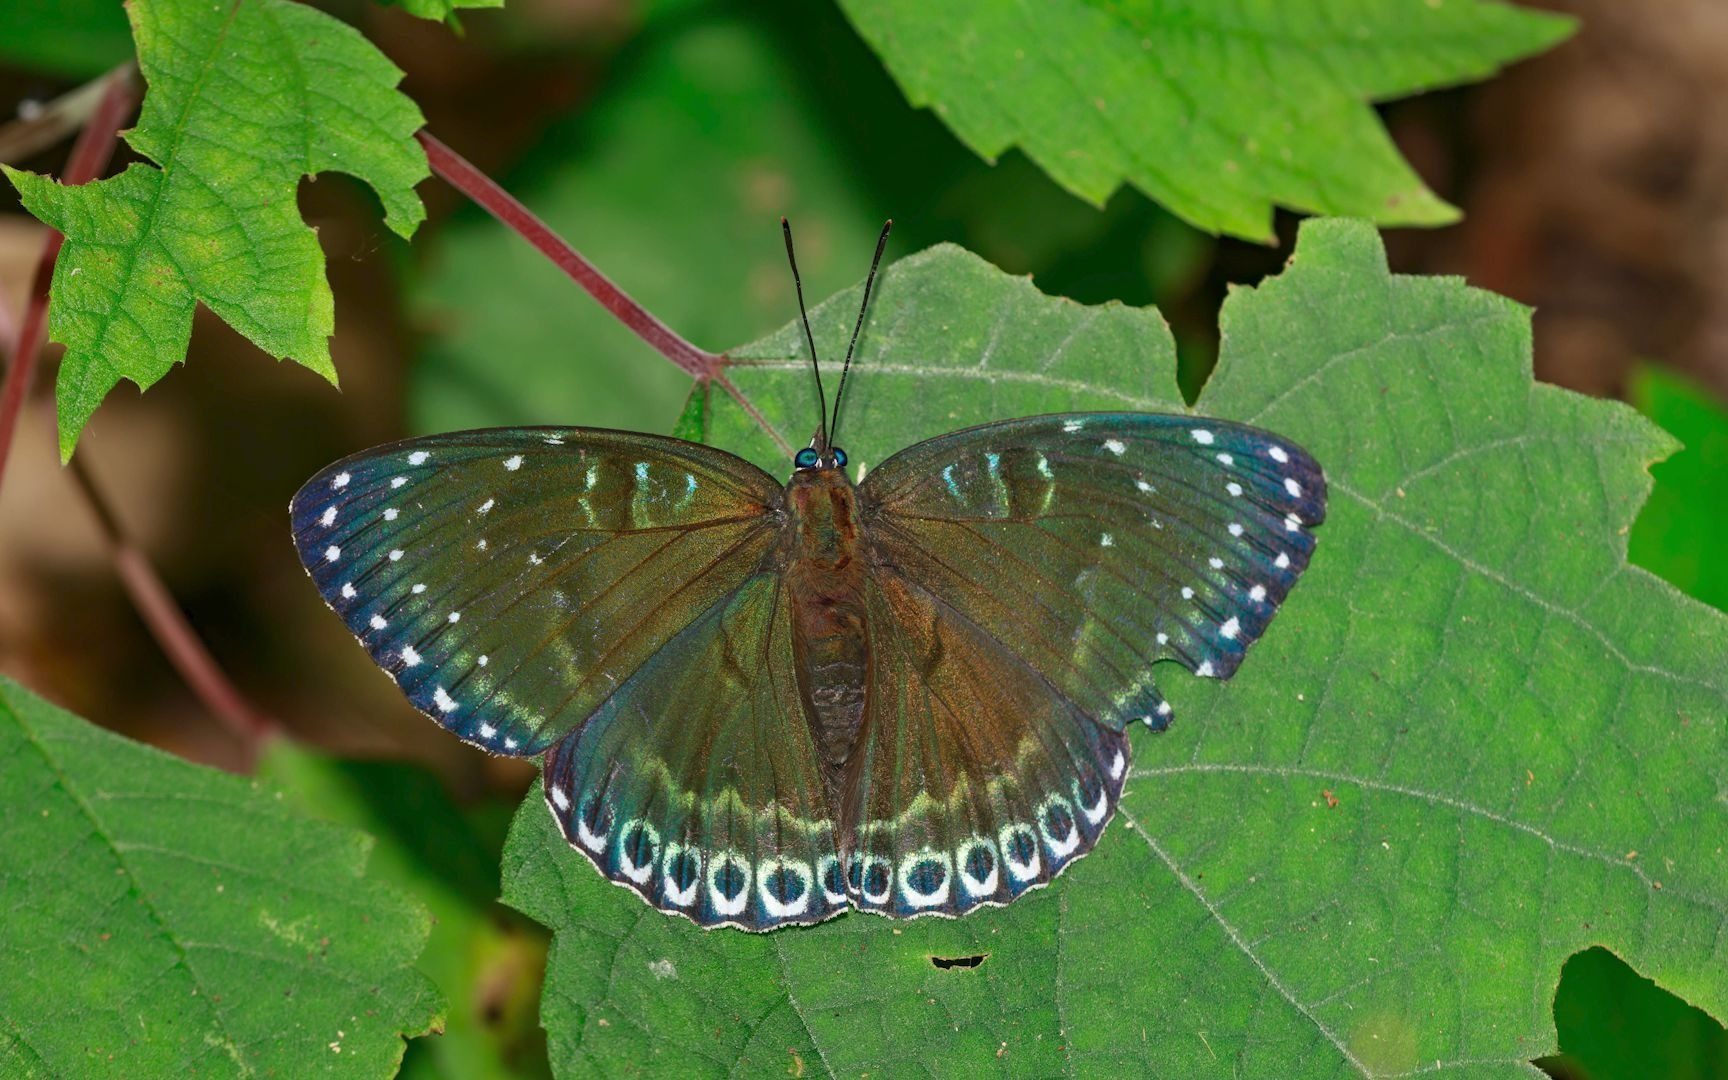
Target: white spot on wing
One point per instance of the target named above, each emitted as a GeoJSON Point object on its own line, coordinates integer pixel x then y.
{"type": "Point", "coordinates": [1202, 436]}
{"type": "Point", "coordinates": [332, 553]}
{"type": "Point", "coordinates": [390, 514]}
{"type": "Point", "coordinates": [1293, 488]}
{"type": "Point", "coordinates": [1278, 455]}
{"type": "Point", "coordinates": [1106, 540]}
{"type": "Point", "coordinates": [348, 592]}
{"type": "Point", "coordinates": [1234, 488]}
{"type": "Point", "coordinates": [328, 518]}
{"type": "Point", "coordinates": [341, 481]}
{"type": "Point", "coordinates": [1282, 562]}
{"type": "Point", "coordinates": [1292, 522]}
{"type": "Point", "coordinates": [419, 587]}
{"type": "Point", "coordinates": [1187, 593]}
{"type": "Point", "coordinates": [1235, 529]}
{"type": "Point", "coordinates": [487, 505]}
{"type": "Point", "coordinates": [1116, 446]}
{"type": "Point", "coordinates": [1257, 593]}
{"type": "Point", "coordinates": [513, 462]}
{"type": "Point", "coordinates": [418, 457]}
{"type": "Point", "coordinates": [396, 555]}
{"type": "Point", "coordinates": [559, 799]}
{"type": "Point", "coordinates": [1226, 459]}
{"type": "Point", "coordinates": [455, 616]}
{"type": "Point", "coordinates": [1071, 426]}
{"type": "Point", "coordinates": [1163, 639]}
{"type": "Point", "coordinates": [398, 481]}
{"type": "Point", "coordinates": [484, 660]}
{"type": "Point", "coordinates": [443, 700]}
{"type": "Point", "coordinates": [1204, 670]}
{"type": "Point", "coordinates": [487, 731]}
{"type": "Point", "coordinates": [409, 656]}
{"type": "Point", "coordinates": [1215, 563]}
{"type": "Point", "coordinates": [378, 622]}
{"type": "Point", "coordinates": [1143, 485]}
{"type": "Point", "coordinates": [1230, 628]}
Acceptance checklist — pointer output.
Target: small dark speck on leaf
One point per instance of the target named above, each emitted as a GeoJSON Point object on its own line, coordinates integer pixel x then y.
{"type": "Point", "coordinates": [1331, 799]}
{"type": "Point", "coordinates": [947, 962]}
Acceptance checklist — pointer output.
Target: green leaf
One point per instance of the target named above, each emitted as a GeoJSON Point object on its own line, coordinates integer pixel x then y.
{"type": "Point", "coordinates": [705, 127]}
{"type": "Point", "coordinates": [1524, 736]}
{"type": "Point", "coordinates": [168, 919]}
{"type": "Point", "coordinates": [245, 99]}
{"type": "Point", "coordinates": [1680, 533]}
{"type": "Point", "coordinates": [1219, 113]}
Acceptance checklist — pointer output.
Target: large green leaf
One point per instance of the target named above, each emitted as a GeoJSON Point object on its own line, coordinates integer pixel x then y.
{"type": "Point", "coordinates": [1475, 742]}
{"type": "Point", "coordinates": [1218, 111]}
{"type": "Point", "coordinates": [245, 99]}
{"type": "Point", "coordinates": [166, 919]}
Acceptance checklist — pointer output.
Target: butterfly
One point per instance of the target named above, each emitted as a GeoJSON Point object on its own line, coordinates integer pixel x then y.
{"type": "Point", "coordinates": [765, 702]}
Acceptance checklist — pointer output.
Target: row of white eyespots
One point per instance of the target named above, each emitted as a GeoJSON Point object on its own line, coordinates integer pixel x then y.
{"type": "Point", "coordinates": [1019, 850]}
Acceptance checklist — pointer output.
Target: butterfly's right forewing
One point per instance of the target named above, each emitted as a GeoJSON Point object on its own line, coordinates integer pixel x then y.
{"type": "Point", "coordinates": [510, 580]}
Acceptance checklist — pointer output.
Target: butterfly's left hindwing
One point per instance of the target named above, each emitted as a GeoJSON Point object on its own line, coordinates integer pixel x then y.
{"type": "Point", "coordinates": [509, 580]}
{"type": "Point", "coordinates": [1091, 545]}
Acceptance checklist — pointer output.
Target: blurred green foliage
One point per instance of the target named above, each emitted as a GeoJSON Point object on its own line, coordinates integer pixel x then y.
{"type": "Point", "coordinates": [1683, 532]}
{"type": "Point", "coordinates": [486, 958]}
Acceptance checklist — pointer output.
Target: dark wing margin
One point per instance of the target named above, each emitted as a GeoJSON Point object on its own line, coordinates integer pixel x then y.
{"type": "Point", "coordinates": [1091, 545]}
{"type": "Point", "coordinates": [510, 579]}
{"type": "Point", "coordinates": [696, 785]}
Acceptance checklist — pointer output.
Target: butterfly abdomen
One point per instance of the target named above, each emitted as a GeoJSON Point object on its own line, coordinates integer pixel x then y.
{"type": "Point", "coordinates": [826, 577]}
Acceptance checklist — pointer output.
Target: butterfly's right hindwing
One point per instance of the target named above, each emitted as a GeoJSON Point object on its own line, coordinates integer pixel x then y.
{"type": "Point", "coordinates": [509, 580]}
{"type": "Point", "coordinates": [697, 785]}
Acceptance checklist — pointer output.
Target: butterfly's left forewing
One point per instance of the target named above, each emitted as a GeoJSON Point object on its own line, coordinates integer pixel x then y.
{"type": "Point", "coordinates": [1091, 545]}
{"type": "Point", "coordinates": [509, 580]}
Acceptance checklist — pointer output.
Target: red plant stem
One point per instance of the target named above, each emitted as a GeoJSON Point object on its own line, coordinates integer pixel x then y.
{"type": "Point", "coordinates": [175, 636]}
{"type": "Point", "coordinates": [464, 177]}
{"type": "Point", "coordinates": [90, 155]}
{"type": "Point", "coordinates": [168, 625]}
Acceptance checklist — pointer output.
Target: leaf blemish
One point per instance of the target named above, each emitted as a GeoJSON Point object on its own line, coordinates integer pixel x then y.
{"type": "Point", "coordinates": [947, 963]}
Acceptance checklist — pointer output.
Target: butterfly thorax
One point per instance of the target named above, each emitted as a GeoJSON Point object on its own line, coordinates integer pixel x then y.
{"type": "Point", "coordinates": [825, 573]}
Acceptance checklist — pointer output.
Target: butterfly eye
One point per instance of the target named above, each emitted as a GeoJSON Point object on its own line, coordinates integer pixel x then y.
{"type": "Point", "coordinates": [806, 458]}
{"type": "Point", "coordinates": [839, 458]}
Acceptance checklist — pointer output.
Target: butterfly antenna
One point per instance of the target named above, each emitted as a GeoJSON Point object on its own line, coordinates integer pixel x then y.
{"type": "Point", "coordinates": [881, 242]}
{"type": "Point", "coordinates": [815, 368]}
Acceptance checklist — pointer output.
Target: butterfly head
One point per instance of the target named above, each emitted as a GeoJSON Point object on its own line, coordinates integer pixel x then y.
{"type": "Point", "coordinates": [812, 458]}
{"type": "Point", "coordinates": [822, 453]}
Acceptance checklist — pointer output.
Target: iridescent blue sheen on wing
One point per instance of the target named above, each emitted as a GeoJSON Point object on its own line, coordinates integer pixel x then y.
{"type": "Point", "coordinates": [1093, 544]}
{"type": "Point", "coordinates": [696, 785]}
{"type": "Point", "coordinates": [509, 579]}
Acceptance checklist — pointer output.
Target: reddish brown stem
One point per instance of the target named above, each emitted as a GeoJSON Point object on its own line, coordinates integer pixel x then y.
{"type": "Point", "coordinates": [162, 616]}
{"type": "Point", "coordinates": [464, 177]}
{"type": "Point", "coordinates": [90, 155]}
{"type": "Point", "coordinates": [168, 625]}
